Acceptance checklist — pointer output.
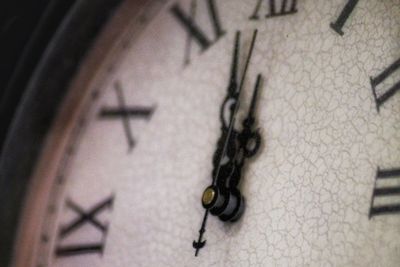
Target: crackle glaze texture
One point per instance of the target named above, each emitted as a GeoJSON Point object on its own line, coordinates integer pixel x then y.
{"type": "Point", "coordinates": [308, 192]}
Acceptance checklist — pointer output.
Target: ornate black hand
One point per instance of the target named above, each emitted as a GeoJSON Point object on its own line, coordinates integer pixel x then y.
{"type": "Point", "coordinates": [229, 103]}
{"type": "Point", "coordinates": [231, 99]}
{"type": "Point", "coordinates": [248, 142]}
{"type": "Point", "coordinates": [249, 139]}
{"type": "Point", "coordinates": [229, 168]}
{"type": "Point", "coordinates": [217, 199]}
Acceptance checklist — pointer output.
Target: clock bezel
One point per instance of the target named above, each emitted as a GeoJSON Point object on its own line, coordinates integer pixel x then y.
{"type": "Point", "coordinates": [46, 90]}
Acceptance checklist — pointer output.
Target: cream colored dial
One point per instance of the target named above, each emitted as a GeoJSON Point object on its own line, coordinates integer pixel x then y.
{"type": "Point", "coordinates": [130, 158]}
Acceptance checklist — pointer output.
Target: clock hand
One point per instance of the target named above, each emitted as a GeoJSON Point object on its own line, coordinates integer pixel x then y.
{"type": "Point", "coordinates": [233, 93]}
{"type": "Point", "coordinates": [228, 103]}
{"type": "Point", "coordinates": [219, 153]}
{"type": "Point", "coordinates": [232, 87]}
{"type": "Point", "coordinates": [233, 150]}
{"type": "Point", "coordinates": [249, 140]}
{"type": "Point", "coordinates": [230, 131]}
{"type": "Point", "coordinates": [232, 96]}
{"type": "Point", "coordinates": [247, 136]}
{"type": "Point", "coordinates": [234, 67]}
{"type": "Point", "coordinates": [210, 195]}
{"type": "Point", "coordinates": [235, 106]}
{"type": "Point", "coordinates": [253, 41]}
{"type": "Point", "coordinates": [199, 243]}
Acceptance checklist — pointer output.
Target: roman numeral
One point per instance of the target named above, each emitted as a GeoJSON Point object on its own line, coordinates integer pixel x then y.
{"type": "Point", "coordinates": [337, 26]}
{"type": "Point", "coordinates": [83, 218]}
{"type": "Point", "coordinates": [76, 250]}
{"type": "Point", "coordinates": [189, 39]}
{"type": "Point", "coordinates": [286, 7]}
{"type": "Point", "coordinates": [375, 81]}
{"type": "Point", "coordinates": [387, 185]}
{"type": "Point", "coordinates": [195, 32]}
{"type": "Point", "coordinates": [123, 112]}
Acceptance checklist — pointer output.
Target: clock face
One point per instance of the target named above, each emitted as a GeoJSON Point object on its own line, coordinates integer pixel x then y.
{"type": "Point", "coordinates": [268, 129]}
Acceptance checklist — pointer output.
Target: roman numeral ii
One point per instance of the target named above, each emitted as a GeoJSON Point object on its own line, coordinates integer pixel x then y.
{"type": "Point", "coordinates": [388, 92]}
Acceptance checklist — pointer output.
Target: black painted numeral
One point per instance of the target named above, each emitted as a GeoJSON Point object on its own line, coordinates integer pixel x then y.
{"type": "Point", "coordinates": [387, 191]}
{"type": "Point", "coordinates": [125, 113]}
{"type": "Point", "coordinates": [195, 32]}
{"type": "Point", "coordinates": [388, 93]}
{"type": "Point", "coordinates": [275, 8]}
{"type": "Point", "coordinates": [83, 218]}
{"type": "Point", "coordinates": [188, 48]}
{"type": "Point", "coordinates": [337, 26]}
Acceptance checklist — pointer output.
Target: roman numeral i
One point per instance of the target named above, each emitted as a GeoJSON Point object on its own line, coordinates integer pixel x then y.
{"type": "Point", "coordinates": [338, 25]}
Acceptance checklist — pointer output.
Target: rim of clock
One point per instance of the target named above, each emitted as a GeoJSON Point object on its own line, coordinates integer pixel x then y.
{"type": "Point", "coordinates": [26, 158]}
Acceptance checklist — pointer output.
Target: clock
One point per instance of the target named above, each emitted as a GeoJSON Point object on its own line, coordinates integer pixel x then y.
{"type": "Point", "coordinates": [208, 133]}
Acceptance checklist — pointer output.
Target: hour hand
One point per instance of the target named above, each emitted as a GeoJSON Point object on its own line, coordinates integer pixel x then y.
{"type": "Point", "coordinates": [249, 138]}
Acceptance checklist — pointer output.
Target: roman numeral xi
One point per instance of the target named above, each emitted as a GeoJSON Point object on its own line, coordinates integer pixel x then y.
{"type": "Point", "coordinates": [194, 30]}
{"type": "Point", "coordinates": [387, 187]}
{"type": "Point", "coordinates": [83, 217]}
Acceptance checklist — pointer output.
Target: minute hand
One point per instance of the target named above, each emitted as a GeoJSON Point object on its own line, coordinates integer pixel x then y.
{"type": "Point", "coordinates": [232, 86]}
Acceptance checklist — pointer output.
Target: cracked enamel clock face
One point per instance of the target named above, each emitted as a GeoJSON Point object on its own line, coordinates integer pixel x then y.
{"type": "Point", "coordinates": [226, 133]}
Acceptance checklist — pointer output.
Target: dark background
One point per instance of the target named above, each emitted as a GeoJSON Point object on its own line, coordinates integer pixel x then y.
{"type": "Point", "coordinates": [42, 43]}
{"type": "Point", "coordinates": [25, 29]}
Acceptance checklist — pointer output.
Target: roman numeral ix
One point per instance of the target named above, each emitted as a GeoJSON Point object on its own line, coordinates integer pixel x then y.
{"type": "Point", "coordinates": [337, 26]}
{"type": "Point", "coordinates": [194, 31]}
{"type": "Point", "coordinates": [122, 111]}
{"type": "Point", "coordinates": [389, 92]}
{"type": "Point", "coordinates": [286, 7]}
{"type": "Point", "coordinates": [387, 184]}
{"type": "Point", "coordinates": [83, 218]}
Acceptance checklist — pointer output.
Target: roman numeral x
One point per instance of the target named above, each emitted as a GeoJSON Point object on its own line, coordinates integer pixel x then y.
{"type": "Point", "coordinates": [122, 111]}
